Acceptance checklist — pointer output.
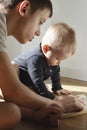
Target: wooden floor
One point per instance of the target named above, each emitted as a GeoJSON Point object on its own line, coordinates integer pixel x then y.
{"type": "Point", "coordinates": [70, 81]}
{"type": "Point", "coordinates": [74, 85]}
{"type": "Point", "coordinates": [71, 84]}
{"type": "Point", "coordinates": [67, 83]}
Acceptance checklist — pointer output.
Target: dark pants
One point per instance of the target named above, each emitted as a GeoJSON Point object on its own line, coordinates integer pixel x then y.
{"type": "Point", "coordinates": [25, 78]}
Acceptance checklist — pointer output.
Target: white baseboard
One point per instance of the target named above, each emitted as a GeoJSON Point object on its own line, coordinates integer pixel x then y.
{"type": "Point", "coordinates": [73, 73]}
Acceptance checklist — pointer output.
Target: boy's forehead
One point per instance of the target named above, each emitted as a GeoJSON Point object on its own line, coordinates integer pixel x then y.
{"type": "Point", "coordinates": [43, 12]}
{"type": "Point", "coordinates": [62, 55]}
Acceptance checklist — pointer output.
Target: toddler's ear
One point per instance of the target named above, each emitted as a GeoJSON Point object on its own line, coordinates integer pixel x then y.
{"type": "Point", "coordinates": [46, 48]}
{"type": "Point", "coordinates": [23, 7]}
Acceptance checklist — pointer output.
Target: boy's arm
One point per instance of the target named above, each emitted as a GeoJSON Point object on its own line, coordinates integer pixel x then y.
{"type": "Point", "coordinates": [35, 71]}
{"type": "Point", "coordinates": [14, 91]}
{"type": "Point", "coordinates": [55, 78]}
{"type": "Point", "coordinates": [56, 84]}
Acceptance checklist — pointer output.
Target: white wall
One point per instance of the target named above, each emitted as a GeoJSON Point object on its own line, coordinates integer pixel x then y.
{"type": "Point", "coordinates": [72, 12]}
{"type": "Point", "coordinates": [13, 46]}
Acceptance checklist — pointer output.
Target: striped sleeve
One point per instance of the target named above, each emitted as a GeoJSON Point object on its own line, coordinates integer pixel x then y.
{"type": "Point", "coordinates": [3, 33]}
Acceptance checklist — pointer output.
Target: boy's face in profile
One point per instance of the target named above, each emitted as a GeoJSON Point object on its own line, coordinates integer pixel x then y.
{"type": "Point", "coordinates": [55, 57]}
{"type": "Point", "coordinates": [29, 26]}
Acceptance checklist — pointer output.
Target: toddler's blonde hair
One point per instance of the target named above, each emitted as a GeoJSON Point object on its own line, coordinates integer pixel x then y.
{"type": "Point", "coordinates": [60, 35]}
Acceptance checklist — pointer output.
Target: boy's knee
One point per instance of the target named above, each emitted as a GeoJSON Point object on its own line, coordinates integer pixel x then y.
{"type": "Point", "coordinates": [14, 113]}
{"type": "Point", "coordinates": [10, 115]}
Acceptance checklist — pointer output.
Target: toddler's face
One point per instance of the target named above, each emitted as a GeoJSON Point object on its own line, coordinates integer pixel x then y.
{"type": "Point", "coordinates": [55, 57]}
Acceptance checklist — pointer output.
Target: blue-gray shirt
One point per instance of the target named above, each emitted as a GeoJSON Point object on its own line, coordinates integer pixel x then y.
{"type": "Point", "coordinates": [34, 70]}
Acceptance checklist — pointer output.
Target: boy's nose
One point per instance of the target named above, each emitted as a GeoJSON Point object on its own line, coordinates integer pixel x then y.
{"type": "Point", "coordinates": [58, 62]}
{"type": "Point", "coordinates": [37, 33]}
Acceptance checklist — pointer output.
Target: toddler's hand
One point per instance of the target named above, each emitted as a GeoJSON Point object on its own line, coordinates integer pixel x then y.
{"type": "Point", "coordinates": [63, 91]}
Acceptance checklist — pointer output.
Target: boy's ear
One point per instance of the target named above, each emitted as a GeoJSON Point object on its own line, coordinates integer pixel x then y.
{"type": "Point", "coordinates": [46, 48]}
{"type": "Point", "coordinates": [23, 7]}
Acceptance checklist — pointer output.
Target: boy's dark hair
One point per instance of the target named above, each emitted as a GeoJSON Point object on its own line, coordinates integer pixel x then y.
{"type": "Point", "coordinates": [35, 5]}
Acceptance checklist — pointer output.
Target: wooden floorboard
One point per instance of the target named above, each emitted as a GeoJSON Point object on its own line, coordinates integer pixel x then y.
{"type": "Point", "coordinates": [71, 81]}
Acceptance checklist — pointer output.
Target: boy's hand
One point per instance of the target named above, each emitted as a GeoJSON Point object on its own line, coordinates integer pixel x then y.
{"type": "Point", "coordinates": [70, 103]}
{"type": "Point", "coordinates": [63, 91]}
{"type": "Point", "coordinates": [49, 115]}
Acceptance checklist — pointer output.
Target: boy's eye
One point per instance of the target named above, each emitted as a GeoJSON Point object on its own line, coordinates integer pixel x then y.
{"type": "Point", "coordinates": [57, 58]}
{"type": "Point", "coordinates": [41, 23]}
